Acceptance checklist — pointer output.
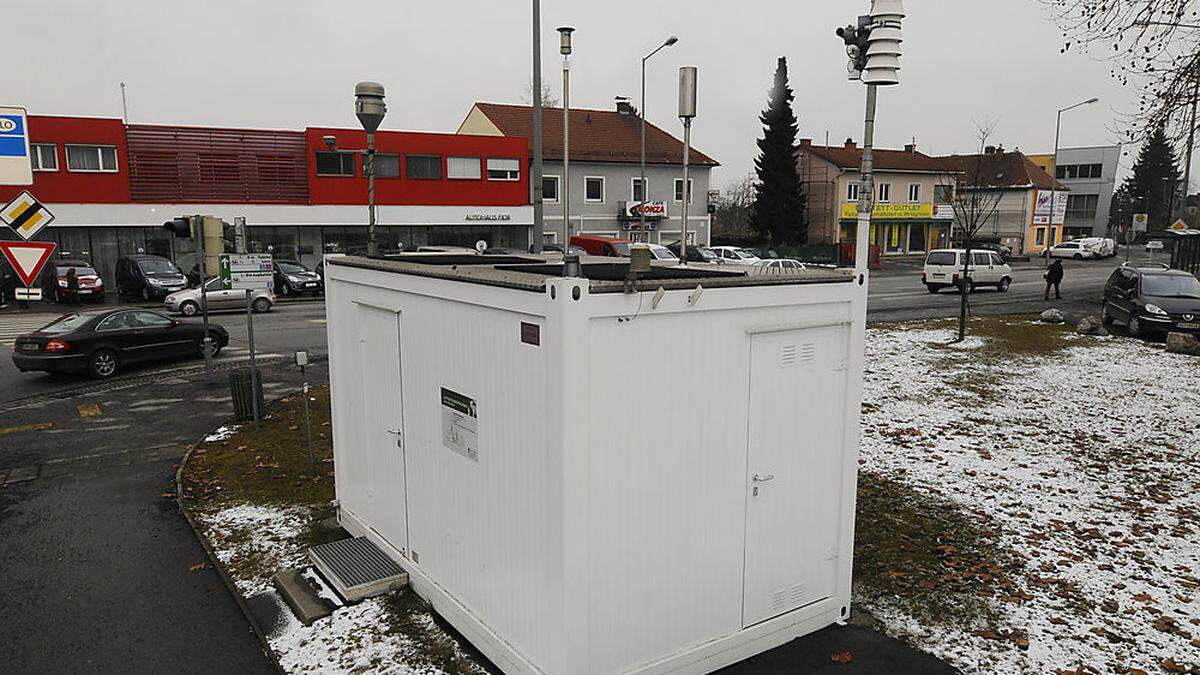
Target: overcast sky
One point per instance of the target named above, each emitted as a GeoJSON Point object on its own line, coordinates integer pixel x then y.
{"type": "Point", "coordinates": [290, 64]}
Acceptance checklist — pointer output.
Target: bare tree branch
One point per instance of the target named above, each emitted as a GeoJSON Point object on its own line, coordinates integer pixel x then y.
{"type": "Point", "coordinates": [1153, 46]}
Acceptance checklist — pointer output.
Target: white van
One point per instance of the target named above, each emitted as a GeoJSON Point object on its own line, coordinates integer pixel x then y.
{"type": "Point", "coordinates": [944, 267]}
{"type": "Point", "coordinates": [1101, 247]}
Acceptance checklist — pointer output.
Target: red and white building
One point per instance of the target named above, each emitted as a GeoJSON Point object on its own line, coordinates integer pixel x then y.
{"type": "Point", "coordinates": [110, 186]}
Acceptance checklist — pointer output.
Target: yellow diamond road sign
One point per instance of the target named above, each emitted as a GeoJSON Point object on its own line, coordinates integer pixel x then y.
{"type": "Point", "coordinates": [26, 215]}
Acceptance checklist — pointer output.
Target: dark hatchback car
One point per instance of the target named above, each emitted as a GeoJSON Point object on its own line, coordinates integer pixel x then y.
{"type": "Point", "coordinates": [1152, 301]}
{"type": "Point", "coordinates": [293, 279]}
{"type": "Point", "coordinates": [149, 277]}
{"type": "Point", "coordinates": [696, 253]}
{"type": "Point", "coordinates": [102, 343]}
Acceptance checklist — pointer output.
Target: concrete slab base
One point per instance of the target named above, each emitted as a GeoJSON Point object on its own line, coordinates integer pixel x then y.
{"type": "Point", "coordinates": [301, 596]}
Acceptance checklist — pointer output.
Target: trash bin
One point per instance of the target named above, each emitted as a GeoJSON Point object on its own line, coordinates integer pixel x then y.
{"type": "Point", "coordinates": [244, 386]}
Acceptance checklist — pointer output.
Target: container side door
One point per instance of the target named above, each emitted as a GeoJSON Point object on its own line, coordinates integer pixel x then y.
{"type": "Point", "coordinates": [383, 424]}
{"type": "Point", "coordinates": [797, 418]}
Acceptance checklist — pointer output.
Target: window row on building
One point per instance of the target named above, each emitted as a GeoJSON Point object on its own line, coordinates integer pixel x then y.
{"type": "Point", "coordinates": [418, 166]}
{"type": "Point", "coordinates": [942, 194]}
{"type": "Point", "coordinates": [1076, 171]}
{"type": "Point", "coordinates": [80, 157]}
{"type": "Point", "coordinates": [595, 190]}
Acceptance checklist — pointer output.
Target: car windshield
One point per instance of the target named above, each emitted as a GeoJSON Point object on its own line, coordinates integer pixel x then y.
{"type": "Point", "coordinates": [290, 268]}
{"type": "Point", "coordinates": [705, 253]}
{"type": "Point", "coordinates": [1170, 286]}
{"type": "Point", "coordinates": [156, 267]}
{"type": "Point", "coordinates": [744, 255]}
{"type": "Point", "coordinates": [942, 258]}
{"type": "Point", "coordinates": [67, 323]}
{"type": "Point", "coordinates": [621, 247]}
{"type": "Point", "coordinates": [79, 270]}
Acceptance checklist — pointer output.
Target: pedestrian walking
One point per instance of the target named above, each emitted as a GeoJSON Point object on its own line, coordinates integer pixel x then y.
{"type": "Point", "coordinates": [1054, 277]}
{"type": "Point", "coordinates": [73, 287]}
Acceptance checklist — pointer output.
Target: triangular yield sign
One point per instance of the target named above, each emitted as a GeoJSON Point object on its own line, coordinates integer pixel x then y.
{"type": "Point", "coordinates": [27, 257]}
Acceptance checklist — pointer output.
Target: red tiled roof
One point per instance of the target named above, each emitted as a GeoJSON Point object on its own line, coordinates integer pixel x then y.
{"type": "Point", "coordinates": [885, 160]}
{"type": "Point", "coordinates": [1003, 169]}
{"type": "Point", "coordinates": [596, 135]}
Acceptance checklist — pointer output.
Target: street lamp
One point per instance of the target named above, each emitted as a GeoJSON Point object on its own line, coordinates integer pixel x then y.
{"type": "Point", "coordinates": [564, 48]}
{"type": "Point", "coordinates": [1054, 176]}
{"type": "Point", "coordinates": [645, 189]}
{"type": "Point", "coordinates": [370, 109]}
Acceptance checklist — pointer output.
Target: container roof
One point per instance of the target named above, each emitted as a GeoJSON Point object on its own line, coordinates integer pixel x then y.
{"type": "Point", "coordinates": [604, 275]}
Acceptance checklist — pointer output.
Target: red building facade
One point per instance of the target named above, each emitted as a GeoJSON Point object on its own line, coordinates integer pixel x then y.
{"type": "Point", "coordinates": [111, 186]}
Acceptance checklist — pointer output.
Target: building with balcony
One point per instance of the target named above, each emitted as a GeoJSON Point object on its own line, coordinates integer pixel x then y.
{"type": "Point", "coordinates": [1090, 174]}
{"type": "Point", "coordinates": [912, 212]}
{"type": "Point", "coordinates": [1021, 192]}
{"type": "Point", "coordinates": [111, 186]}
{"type": "Point", "coordinates": [606, 188]}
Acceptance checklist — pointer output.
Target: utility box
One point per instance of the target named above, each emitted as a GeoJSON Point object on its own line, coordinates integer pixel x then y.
{"type": "Point", "coordinates": [588, 480]}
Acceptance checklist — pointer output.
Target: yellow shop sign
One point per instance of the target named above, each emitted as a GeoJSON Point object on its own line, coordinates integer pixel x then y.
{"type": "Point", "coordinates": [891, 211]}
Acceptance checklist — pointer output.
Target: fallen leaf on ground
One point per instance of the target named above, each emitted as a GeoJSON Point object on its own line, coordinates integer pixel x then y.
{"type": "Point", "coordinates": [842, 657]}
{"type": "Point", "coordinates": [198, 566]}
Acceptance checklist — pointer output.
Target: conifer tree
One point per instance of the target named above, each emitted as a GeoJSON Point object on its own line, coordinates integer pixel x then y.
{"type": "Point", "coordinates": [779, 202]}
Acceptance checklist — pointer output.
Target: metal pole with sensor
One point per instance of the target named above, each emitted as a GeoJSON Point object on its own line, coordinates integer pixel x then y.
{"type": "Point", "coordinates": [370, 110]}
{"type": "Point", "coordinates": [687, 111]}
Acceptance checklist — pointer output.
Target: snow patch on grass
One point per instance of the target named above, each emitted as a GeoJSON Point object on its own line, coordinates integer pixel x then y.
{"type": "Point", "coordinates": [254, 542]}
{"type": "Point", "coordinates": [221, 434]}
{"type": "Point", "coordinates": [1085, 457]}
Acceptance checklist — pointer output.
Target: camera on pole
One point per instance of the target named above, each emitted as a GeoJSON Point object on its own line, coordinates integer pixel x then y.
{"type": "Point", "coordinates": [856, 39]}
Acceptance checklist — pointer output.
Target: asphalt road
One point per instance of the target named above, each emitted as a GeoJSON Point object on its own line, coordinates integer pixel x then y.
{"type": "Point", "coordinates": [98, 564]}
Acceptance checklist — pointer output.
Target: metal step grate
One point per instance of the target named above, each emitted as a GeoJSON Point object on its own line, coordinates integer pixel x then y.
{"type": "Point", "coordinates": [357, 568]}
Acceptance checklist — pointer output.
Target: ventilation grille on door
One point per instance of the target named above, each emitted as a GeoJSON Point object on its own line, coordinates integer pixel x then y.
{"type": "Point", "coordinates": [790, 355]}
{"type": "Point", "coordinates": [786, 598]}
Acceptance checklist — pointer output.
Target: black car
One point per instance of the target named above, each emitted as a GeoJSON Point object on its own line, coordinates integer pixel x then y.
{"type": "Point", "coordinates": [149, 277]}
{"type": "Point", "coordinates": [1152, 301]}
{"type": "Point", "coordinates": [1004, 252]}
{"type": "Point", "coordinates": [293, 279]}
{"type": "Point", "coordinates": [101, 343]}
{"type": "Point", "coordinates": [696, 253]}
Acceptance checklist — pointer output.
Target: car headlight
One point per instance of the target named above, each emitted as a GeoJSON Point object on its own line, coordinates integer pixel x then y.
{"type": "Point", "coordinates": [1155, 309]}
{"type": "Point", "coordinates": [294, 280]}
{"type": "Point", "coordinates": [154, 282]}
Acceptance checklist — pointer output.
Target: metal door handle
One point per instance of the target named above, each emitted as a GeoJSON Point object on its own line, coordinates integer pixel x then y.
{"type": "Point", "coordinates": [764, 479]}
{"type": "Point", "coordinates": [395, 432]}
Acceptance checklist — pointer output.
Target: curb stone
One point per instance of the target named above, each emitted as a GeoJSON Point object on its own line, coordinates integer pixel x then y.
{"type": "Point", "coordinates": [215, 562]}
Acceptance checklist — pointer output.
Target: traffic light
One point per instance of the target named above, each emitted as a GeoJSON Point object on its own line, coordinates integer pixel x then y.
{"type": "Point", "coordinates": [180, 227]}
{"type": "Point", "coordinates": [857, 41]}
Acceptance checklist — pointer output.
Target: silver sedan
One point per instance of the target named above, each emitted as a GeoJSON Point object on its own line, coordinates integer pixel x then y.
{"type": "Point", "coordinates": [187, 302]}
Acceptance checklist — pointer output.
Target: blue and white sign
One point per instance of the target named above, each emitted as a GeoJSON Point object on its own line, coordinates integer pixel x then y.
{"type": "Point", "coordinates": [15, 168]}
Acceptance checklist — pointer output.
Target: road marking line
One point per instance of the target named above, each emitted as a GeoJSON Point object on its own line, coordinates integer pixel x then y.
{"type": "Point", "coordinates": [25, 427]}
{"type": "Point", "coordinates": [87, 410]}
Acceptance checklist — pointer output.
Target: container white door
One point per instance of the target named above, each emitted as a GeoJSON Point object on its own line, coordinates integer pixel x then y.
{"type": "Point", "coordinates": [383, 424]}
{"type": "Point", "coordinates": [797, 423]}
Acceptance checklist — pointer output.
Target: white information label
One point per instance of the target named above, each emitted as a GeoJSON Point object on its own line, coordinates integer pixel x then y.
{"type": "Point", "coordinates": [460, 424]}
{"type": "Point", "coordinates": [241, 271]}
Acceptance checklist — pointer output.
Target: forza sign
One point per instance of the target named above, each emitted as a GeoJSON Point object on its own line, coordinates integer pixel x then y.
{"type": "Point", "coordinates": [651, 210]}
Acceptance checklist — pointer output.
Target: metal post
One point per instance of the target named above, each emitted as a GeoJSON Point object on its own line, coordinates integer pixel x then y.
{"type": "Point", "coordinates": [1187, 165]}
{"type": "Point", "coordinates": [372, 244]}
{"type": "Point", "coordinates": [1053, 192]}
{"type": "Point", "coordinates": [206, 342]}
{"type": "Point", "coordinates": [539, 224]}
{"type": "Point", "coordinates": [566, 186]}
{"type": "Point", "coordinates": [866, 190]}
{"type": "Point", "coordinates": [312, 454]}
{"type": "Point", "coordinates": [124, 106]}
{"type": "Point", "coordinates": [254, 381]}
{"type": "Point", "coordinates": [642, 156]}
{"type": "Point", "coordinates": [687, 193]}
